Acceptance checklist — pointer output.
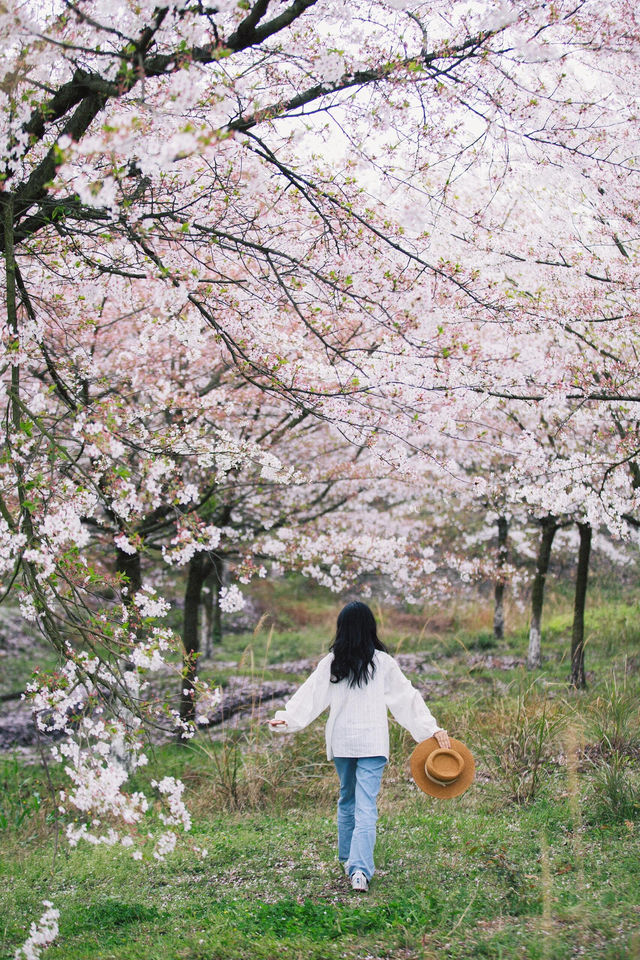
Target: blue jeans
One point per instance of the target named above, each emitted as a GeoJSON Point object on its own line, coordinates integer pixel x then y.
{"type": "Point", "coordinates": [357, 811]}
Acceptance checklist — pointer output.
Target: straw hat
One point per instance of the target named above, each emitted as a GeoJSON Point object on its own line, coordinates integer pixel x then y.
{"type": "Point", "coordinates": [442, 773]}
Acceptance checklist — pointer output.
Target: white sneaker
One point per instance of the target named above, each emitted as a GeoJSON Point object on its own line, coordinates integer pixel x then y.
{"type": "Point", "coordinates": [359, 881]}
{"type": "Point", "coordinates": [345, 864]}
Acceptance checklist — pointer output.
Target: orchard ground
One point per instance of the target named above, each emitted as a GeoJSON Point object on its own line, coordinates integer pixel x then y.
{"type": "Point", "coordinates": [540, 859]}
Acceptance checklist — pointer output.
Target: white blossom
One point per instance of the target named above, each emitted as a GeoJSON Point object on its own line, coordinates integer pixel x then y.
{"type": "Point", "coordinates": [41, 934]}
{"type": "Point", "coordinates": [231, 599]}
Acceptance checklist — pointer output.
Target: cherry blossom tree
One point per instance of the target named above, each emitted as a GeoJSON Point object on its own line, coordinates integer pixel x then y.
{"type": "Point", "coordinates": [465, 243]}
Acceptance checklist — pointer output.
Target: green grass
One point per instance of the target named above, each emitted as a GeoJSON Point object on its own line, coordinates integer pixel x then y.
{"type": "Point", "coordinates": [249, 649]}
{"type": "Point", "coordinates": [21, 790]}
{"type": "Point", "coordinates": [482, 876]}
{"type": "Point", "coordinates": [16, 669]}
{"type": "Point", "coordinates": [465, 877]}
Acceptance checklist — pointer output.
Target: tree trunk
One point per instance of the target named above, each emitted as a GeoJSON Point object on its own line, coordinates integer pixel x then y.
{"type": "Point", "coordinates": [218, 583]}
{"type": "Point", "coordinates": [199, 570]}
{"type": "Point", "coordinates": [578, 678]}
{"type": "Point", "coordinates": [549, 526]}
{"type": "Point", "coordinates": [211, 620]}
{"type": "Point", "coordinates": [498, 593]}
{"type": "Point", "coordinates": [128, 564]}
{"type": "Point", "coordinates": [206, 620]}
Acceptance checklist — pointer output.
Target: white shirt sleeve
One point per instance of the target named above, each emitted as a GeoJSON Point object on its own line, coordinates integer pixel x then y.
{"type": "Point", "coordinates": [406, 704]}
{"type": "Point", "coordinates": [308, 701]}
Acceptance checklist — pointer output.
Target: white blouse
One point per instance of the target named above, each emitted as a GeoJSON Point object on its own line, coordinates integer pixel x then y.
{"type": "Point", "coordinates": [357, 724]}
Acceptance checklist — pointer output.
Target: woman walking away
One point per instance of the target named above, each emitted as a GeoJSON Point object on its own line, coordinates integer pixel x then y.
{"type": "Point", "coordinates": [358, 680]}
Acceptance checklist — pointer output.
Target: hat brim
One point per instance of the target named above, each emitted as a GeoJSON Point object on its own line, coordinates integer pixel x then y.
{"type": "Point", "coordinates": [419, 758]}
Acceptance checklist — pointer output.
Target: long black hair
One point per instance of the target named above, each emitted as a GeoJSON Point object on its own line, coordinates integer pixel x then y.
{"type": "Point", "coordinates": [355, 642]}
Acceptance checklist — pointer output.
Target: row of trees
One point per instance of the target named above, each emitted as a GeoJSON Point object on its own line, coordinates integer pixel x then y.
{"type": "Point", "coordinates": [283, 285]}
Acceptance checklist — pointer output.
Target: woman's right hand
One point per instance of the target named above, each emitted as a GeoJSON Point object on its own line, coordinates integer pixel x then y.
{"type": "Point", "coordinates": [277, 723]}
{"type": "Point", "coordinates": [443, 739]}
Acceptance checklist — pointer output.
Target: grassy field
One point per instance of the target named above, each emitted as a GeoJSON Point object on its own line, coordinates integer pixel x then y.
{"type": "Point", "coordinates": [540, 859]}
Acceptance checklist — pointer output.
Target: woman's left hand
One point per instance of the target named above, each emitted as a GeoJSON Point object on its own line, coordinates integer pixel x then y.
{"type": "Point", "coordinates": [443, 739]}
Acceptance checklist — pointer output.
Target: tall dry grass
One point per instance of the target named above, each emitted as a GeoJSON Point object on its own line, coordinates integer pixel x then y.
{"type": "Point", "coordinates": [517, 737]}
